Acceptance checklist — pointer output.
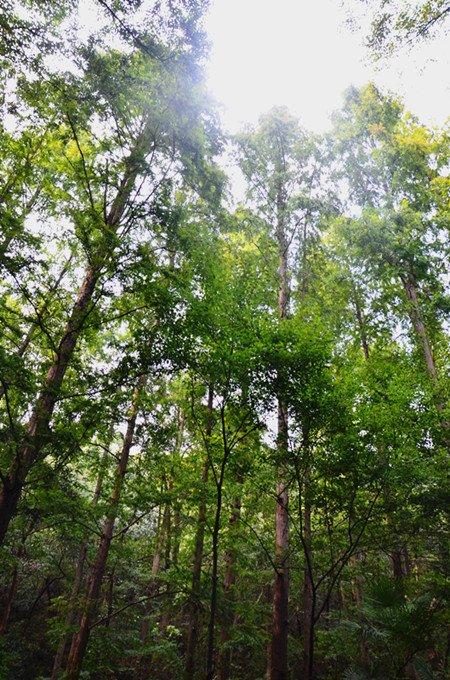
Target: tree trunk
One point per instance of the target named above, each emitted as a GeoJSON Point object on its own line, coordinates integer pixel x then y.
{"type": "Point", "coordinates": [214, 578]}
{"type": "Point", "coordinates": [81, 638]}
{"type": "Point", "coordinates": [12, 590]}
{"type": "Point", "coordinates": [11, 594]}
{"type": "Point", "coordinates": [109, 598]}
{"type": "Point", "coordinates": [37, 429]}
{"type": "Point", "coordinates": [144, 661]}
{"type": "Point", "coordinates": [176, 524]}
{"type": "Point", "coordinates": [419, 326]}
{"type": "Point", "coordinates": [278, 656]}
{"type": "Point", "coordinates": [401, 566]}
{"type": "Point", "coordinates": [278, 659]}
{"type": "Point", "coordinates": [210, 655]}
{"type": "Point", "coordinates": [224, 663]}
{"type": "Point", "coordinates": [72, 612]}
{"type": "Point", "coordinates": [194, 604]}
{"type": "Point", "coordinates": [176, 535]}
{"type": "Point", "coordinates": [308, 592]}
{"type": "Point", "coordinates": [361, 323]}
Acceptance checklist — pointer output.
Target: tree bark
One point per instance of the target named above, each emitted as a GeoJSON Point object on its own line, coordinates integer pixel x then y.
{"type": "Point", "coordinates": [194, 604]}
{"type": "Point", "coordinates": [224, 662]}
{"type": "Point", "coordinates": [144, 661]}
{"type": "Point", "coordinates": [11, 594]}
{"type": "Point", "coordinates": [109, 598]}
{"type": "Point", "coordinates": [419, 326]}
{"type": "Point", "coordinates": [214, 579]}
{"type": "Point", "coordinates": [81, 638]}
{"type": "Point", "coordinates": [308, 592]}
{"type": "Point", "coordinates": [12, 590]}
{"type": "Point", "coordinates": [210, 652]}
{"type": "Point", "coordinates": [176, 535]}
{"type": "Point", "coordinates": [278, 659]}
{"type": "Point", "coordinates": [361, 323]}
{"type": "Point", "coordinates": [72, 612]}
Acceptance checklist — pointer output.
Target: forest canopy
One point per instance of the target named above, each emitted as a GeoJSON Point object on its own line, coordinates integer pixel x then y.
{"type": "Point", "coordinates": [224, 425]}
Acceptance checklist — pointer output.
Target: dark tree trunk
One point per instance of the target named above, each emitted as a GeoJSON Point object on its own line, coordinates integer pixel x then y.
{"type": "Point", "coordinates": [12, 590]}
{"type": "Point", "coordinates": [224, 663]}
{"type": "Point", "coordinates": [401, 565]}
{"type": "Point", "coordinates": [10, 596]}
{"type": "Point", "coordinates": [210, 654]}
{"type": "Point", "coordinates": [213, 599]}
{"type": "Point", "coordinates": [194, 604]}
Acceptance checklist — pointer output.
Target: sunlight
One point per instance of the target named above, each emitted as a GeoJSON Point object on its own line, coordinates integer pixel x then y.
{"type": "Point", "coordinates": [304, 55]}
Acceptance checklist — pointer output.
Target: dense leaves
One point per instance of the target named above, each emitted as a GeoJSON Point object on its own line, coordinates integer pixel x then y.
{"type": "Point", "coordinates": [174, 371]}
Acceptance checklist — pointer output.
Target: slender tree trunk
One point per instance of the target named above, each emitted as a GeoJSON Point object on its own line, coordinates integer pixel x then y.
{"type": "Point", "coordinates": [194, 604]}
{"type": "Point", "coordinates": [10, 596]}
{"type": "Point", "coordinates": [416, 317]}
{"type": "Point", "coordinates": [72, 612]}
{"type": "Point", "coordinates": [278, 664]}
{"type": "Point", "coordinates": [161, 560]}
{"type": "Point", "coordinates": [224, 663]}
{"type": "Point", "coordinates": [356, 583]}
{"type": "Point", "coordinates": [357, 592]}
{"type": "Point", "coordinates": [81, 638]}
{"type": "Point", "coordinates": [161, 539]}
{"type": "Point", "coordinates": [109, 598]}
{"type": "Point", "coordinates": [176, 535]}
{"type": "Point", "coordinates": [210, 653]}
{"type": "Point", "coordinates": [12, 590]}
{"type": "Point", "coordinates": [308, 590]}
{"type": "Point", "coordinates": [214, 578]}
{"type": "Point", "coordinates": [174, 544]}
{"type": "Point", "coordinates": [167, 533]}
{"type": "Point", "coordinates": [419, 326]}
{"type": "Point", "coordinates": [361, 323]}
{"type": "Point", "coordinates": [37, 429]}
{"type": "Point", "coordinates": [278, 656]}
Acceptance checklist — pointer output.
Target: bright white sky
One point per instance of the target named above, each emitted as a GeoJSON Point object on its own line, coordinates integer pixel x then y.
{"type": "Point", "coordinates": [301, 53]}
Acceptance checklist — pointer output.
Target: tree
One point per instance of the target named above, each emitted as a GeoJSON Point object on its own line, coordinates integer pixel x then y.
{"type": "Point", "coordinates": [395, 24]}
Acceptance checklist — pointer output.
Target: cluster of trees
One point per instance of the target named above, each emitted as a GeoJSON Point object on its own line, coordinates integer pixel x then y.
{"type": "Point", "coordinates": [224, 431]}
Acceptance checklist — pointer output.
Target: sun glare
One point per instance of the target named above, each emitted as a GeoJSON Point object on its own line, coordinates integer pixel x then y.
{"type": "Point", "coordinates": [304, 55]}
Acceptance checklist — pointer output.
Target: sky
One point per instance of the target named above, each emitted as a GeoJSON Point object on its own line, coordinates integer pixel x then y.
{"type": "Point", "coordinates": [302, 54]}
